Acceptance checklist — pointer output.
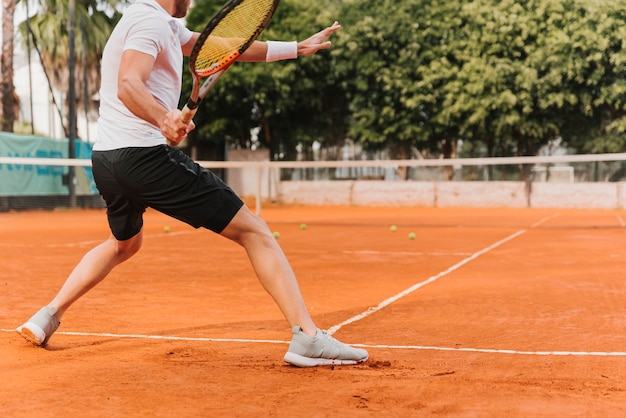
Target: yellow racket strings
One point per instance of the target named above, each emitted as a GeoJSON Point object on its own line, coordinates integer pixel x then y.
{"type": "Point", "coordinates": [231, 33]}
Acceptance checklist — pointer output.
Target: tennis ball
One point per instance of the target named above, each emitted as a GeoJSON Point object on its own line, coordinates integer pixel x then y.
{"type": "Point", "coordinates": [166, 229]}
{"type": "Point", "coordinates": [393, 228]}
{"type": "Point", "coordinates": [276, 234]}
{"type": "Point", "coordinates": [303, 226]}
{"type": "Point", "coordinates": [412, 235]}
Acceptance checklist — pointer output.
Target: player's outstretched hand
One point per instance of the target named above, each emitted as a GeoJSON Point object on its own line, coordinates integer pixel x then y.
{"type": "Point", "coordinates": [317, 42]}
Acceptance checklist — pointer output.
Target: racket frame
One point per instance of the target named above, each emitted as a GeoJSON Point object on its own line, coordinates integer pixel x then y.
{"type": "Point", "coordinates": [198, 92]}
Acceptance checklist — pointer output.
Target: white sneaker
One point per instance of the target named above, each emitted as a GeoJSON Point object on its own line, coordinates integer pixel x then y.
{"type": "Point", "coordinates": [40, 327]}
{"type": "Point", "coordinates": [321, 350]}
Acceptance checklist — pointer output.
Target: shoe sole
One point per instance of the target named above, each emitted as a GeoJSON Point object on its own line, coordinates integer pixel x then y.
{"type": "Point", "coordinates": [29, 336]}
{"type": "Point", "coordinates": [301, 361]}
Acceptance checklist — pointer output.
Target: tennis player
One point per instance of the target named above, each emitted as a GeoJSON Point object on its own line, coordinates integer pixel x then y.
{"type": "Point", "coordinates": [135, 169]}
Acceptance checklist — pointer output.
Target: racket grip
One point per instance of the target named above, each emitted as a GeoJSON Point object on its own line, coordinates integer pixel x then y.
{"type": "Point", "coordinates": [188, 114]}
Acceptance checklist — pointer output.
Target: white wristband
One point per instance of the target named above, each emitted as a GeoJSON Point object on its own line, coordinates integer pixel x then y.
{"type": "Point", "coordinates": [277, 51]}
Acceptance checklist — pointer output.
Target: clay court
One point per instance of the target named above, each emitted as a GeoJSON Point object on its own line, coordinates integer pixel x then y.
{"type": "Point", "coordinates": [487, 312]}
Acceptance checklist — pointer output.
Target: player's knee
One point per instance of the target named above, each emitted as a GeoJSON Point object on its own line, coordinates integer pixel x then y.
{"type": "Point", "coordinates": [252, 233]}
{"type": "Point", "coordinates": [128, 248]}
{"type": "Point", "coordinates": [246, 226]}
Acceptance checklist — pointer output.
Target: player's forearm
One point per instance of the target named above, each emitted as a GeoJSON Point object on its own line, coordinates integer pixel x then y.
{"type": "Point", "coordinates": [142, 104]}
{"type": "Point", "coordinates": [271, 51]}
{"type": "Point", "coordinates": [255, 52]}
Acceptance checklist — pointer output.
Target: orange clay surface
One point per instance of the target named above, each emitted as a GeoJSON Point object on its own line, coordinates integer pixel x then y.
{"type": "Point", "coordinates": [486, 313]}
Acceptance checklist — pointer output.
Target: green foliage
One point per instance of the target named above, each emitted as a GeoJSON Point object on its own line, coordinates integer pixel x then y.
{"type": "Point", "coordinates": [505, 74]}
{"type": "Point", "coordinates": [381, 53]}
{"type": "Point", "coordinates": [94, 21]}
{"type": "Point", "coordinates": [50, 26]}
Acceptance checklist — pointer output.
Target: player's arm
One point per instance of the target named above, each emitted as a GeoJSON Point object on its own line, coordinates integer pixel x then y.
{"type": "Point", "coordinates": [189, 45]}
{"type": "Point", "coordinates": [135, 68]}
{"type": "Point", "coordinates": [257, 52]}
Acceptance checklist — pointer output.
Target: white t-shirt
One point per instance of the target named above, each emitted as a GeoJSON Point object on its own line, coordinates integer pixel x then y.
{"type": "Point", "coordinates": [145, 27]}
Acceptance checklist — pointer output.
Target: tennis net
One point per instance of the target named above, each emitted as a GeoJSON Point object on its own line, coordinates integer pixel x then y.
{"type": "Point", "coordinates": [588, 180]}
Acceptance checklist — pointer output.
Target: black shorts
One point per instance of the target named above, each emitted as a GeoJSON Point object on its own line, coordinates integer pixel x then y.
{"type": "Point", "coordinates": [165, 179]}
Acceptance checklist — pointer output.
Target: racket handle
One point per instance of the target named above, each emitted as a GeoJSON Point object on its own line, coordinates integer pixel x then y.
{"type": "Point", "coordinates": [188, 114]}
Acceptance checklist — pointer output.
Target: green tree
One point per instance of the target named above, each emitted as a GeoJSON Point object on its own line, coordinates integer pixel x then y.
{"type": "Point", "coordinates": [601, 75]}
{"type": "Point", "coordinates": [49, 29]}
{"type": "Point", "coordinates": [382, 52]}
{"type": "Point", "coordinates": [536, 70]}
{"type": "Point", "coordinates": [7, 89]}
{"type": "Point", "coordinates": [573, 64]}
{"type": "Point", "coordinates": [503, 75]}
{"type": "Point", "coordinates": [488, 89]}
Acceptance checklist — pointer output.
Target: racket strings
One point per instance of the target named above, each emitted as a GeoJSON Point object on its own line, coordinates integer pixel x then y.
{"type": "Point", "coordinates": [232, 34]}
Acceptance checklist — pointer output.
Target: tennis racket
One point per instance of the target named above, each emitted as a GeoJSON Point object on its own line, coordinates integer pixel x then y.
{"type": "Point", "coordinates": [227, 35]}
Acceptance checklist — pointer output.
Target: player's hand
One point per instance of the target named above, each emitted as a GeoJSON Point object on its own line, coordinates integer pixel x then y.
{"type": "Point", "coordinates": [174, 129]}
{"type": "Point", "coordinates": [317, 42]}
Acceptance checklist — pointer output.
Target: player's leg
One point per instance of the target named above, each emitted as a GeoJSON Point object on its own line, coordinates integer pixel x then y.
{"type": "Point", "coordinates": [309, 346]}
{"type": "Point", "coordinates": [91, 270]}
{"type": "Point", "coordinates": [125, 217]}
{"type": "Point", "coordinates": [271, 266]}
{"type": "Point", "coordinates": [181, 188]}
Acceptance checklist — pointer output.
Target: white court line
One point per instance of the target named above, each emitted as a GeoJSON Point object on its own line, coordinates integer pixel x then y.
{"type": "Point", "coordinates": [356, 252]}
{"type": "Point", "coordinates": [432, 253]}
{"type": "Point", "coordinates": [87, 243]}
{"type": "Point", "coordinates": [436, 277]}
{"type": "Point", "coordinates": [372, 252]}
{"type": "Point", "coordinates": [499, 351]}
{"type": "Point", "coordinates": [171, 338]}
{"type": "Point", "coordinates": [416, 286]}
{"type": "Point", "coordinates": [544, 220]}
{"type": "Point", "coordinates": [68, 245]}
{"type": "Point", "coordinates": [375, 346]}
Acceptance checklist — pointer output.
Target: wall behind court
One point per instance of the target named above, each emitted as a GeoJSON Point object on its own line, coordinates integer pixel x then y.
{"type": "Point", "coordinates": [509, 194]}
